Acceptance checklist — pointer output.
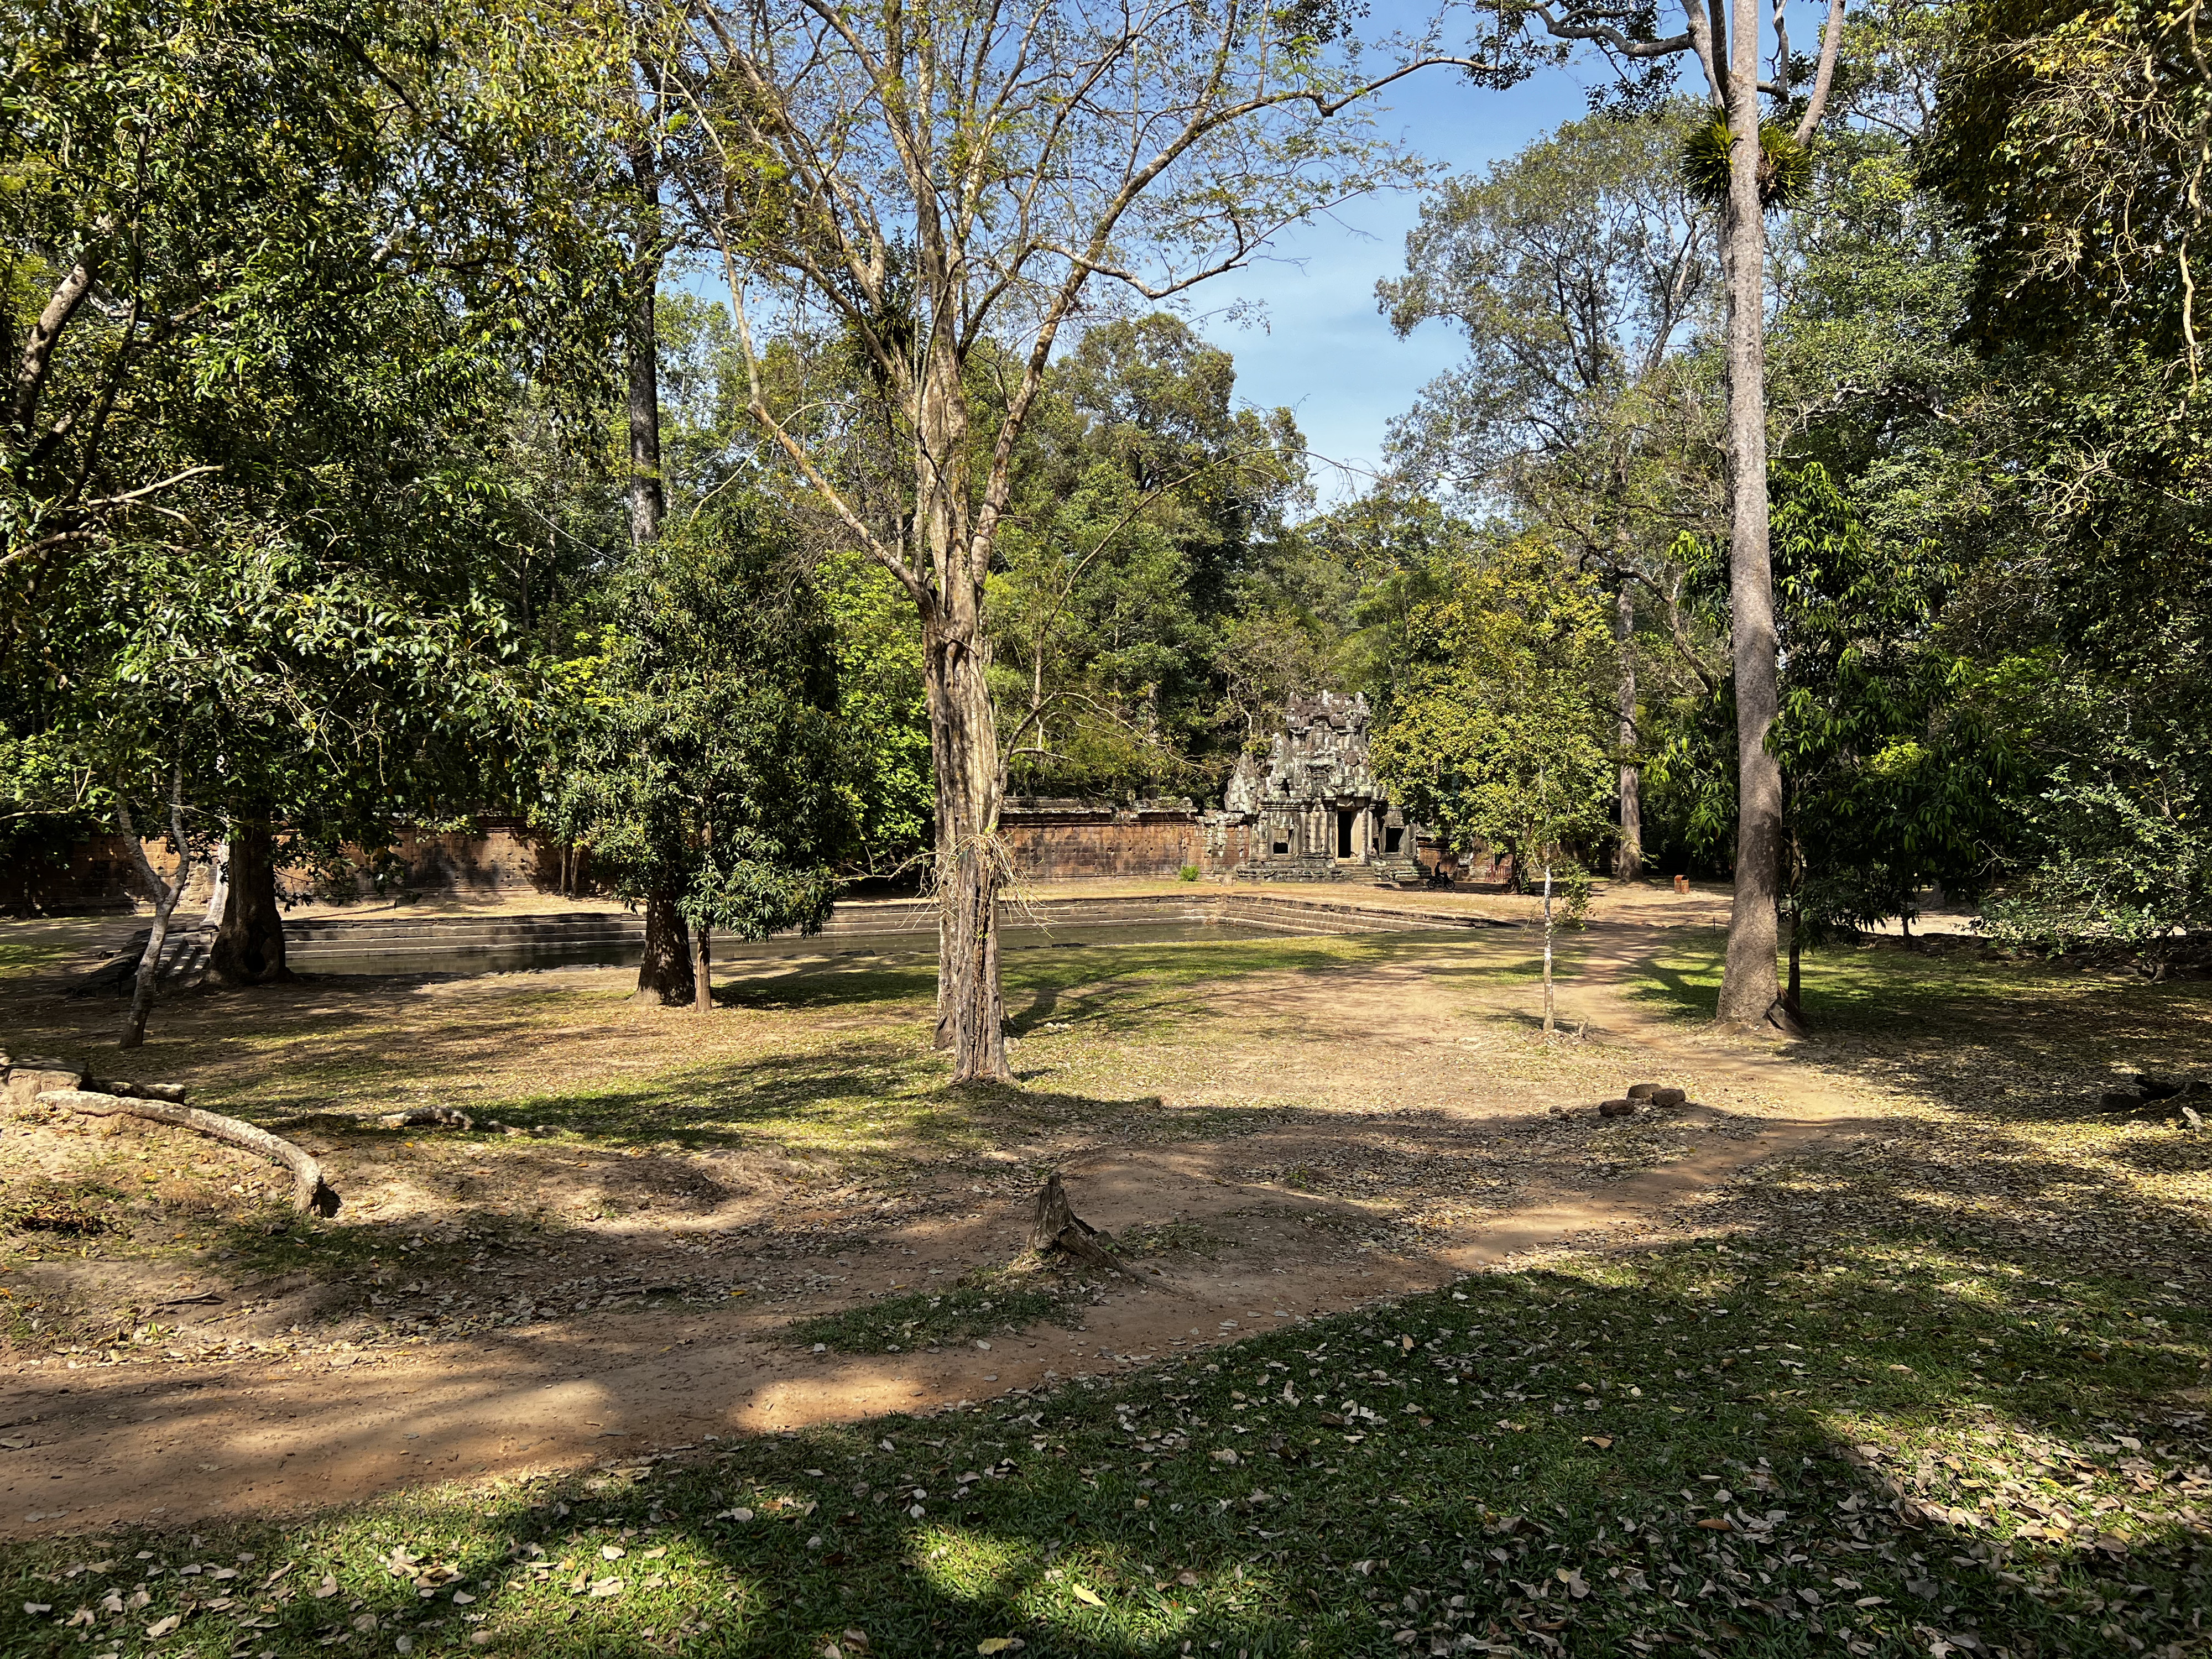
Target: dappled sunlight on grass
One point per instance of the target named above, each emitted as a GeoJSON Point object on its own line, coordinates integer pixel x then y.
{"type": "Point", "coordinates": [1780, 1444]}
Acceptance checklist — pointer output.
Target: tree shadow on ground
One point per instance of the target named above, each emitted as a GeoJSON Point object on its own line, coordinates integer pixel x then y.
{"type": "Point", "coordinates": [1899, 1400]}
{"type": "Point", "coordinates": [1998, 1067]}
{"type": "Point", "coordinates": [1771, 1443]}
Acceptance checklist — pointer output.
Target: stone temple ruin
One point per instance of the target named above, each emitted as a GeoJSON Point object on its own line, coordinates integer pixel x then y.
{"type": "Point", "coordinates": [1313, 810]}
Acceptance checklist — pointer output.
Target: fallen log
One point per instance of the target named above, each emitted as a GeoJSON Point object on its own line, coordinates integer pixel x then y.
{"type": "Point", "coordinates": [1055, 1226]}
{"type": "Point", "coordinates": [172, 1092]}
{"type": "Point", "coordinates": [310, 1191]}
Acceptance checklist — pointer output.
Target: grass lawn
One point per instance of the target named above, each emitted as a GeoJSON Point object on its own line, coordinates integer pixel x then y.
{"type": "Point", "coordinates": [1749, 1445]}
{"type": "Point", "coordinates": [1945, 1393]}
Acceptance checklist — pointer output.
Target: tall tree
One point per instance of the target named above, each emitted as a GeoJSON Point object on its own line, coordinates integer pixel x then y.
{"type": "Point", "coordinates": [673, 966]}
{"type": "Point", "coordinates": [2071, 138]}
{"type": "Point", "coordinates": [1498, 740]}
{"type": "Point", "coordinates": [1579, 270]}
{"type": "Point", "coordinates": [700, 756]}
{"type": "Point", "coordinates": [1143, 498]}
{"type": "Point", "coordinates": [1752, 164]}
{"type": "Point", "coordinates": [950, 187]}
{"type": "Point", "coordinates": [285, 266]}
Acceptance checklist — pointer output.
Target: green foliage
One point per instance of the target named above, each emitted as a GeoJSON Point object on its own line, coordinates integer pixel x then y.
{"type": "Point", "coordinates": [252, 186]}
{"type": "Point", "coordinates": [1785, 167]}
{"type": "Point", "coordinates": [883, 714]}
{"type": "Point", "coordinates": [1572, 888]}
{"type": "Point", "coordinates": [2117, 839]}
{"type": "Point", "coordinates": [1137, 596]}
{"type": "Point", "coordinates": [1583, 272]}
{"type": "Point", "coordinates": [1499, 740]}
{"type": "Point", "coordinates": [699, 754]}
{"type": "Point", "coordinates": [1896, 774]}
{"type": "Point", "coordinates": [2071, 132]}
{"type": "Point", "coordinates": [1577, 269]}
{"type": "Point", "coordinates": [259, 526]}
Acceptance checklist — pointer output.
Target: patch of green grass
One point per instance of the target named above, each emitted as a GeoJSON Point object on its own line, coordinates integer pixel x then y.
{"type": "Point", "coordinates": [980, 1305]}
{"type": "Point", "coordinates": [1883, 989]}
{"type": "Point", "coordinates": [67, 1209]}
{"type": "Point", "coordinates": [1166, 1238]}
{"type": "Point", "coordinates": [1879, 1446]}
{"type": "Point", "coordinates": [32, 947]}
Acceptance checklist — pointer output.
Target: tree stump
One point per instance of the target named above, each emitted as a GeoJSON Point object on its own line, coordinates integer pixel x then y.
{"type": "Point", "coordinates": [1055, 1226]}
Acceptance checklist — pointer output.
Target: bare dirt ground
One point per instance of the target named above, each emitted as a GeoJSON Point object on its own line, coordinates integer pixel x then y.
{"type": "Point", "coordinates": [1296, 1127]}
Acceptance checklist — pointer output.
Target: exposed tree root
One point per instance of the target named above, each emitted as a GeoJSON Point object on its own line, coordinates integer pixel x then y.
{"type": "Point", "coordinates": [1787, 1020]}
{"type": "Point", "coordinates": [1056, 1227]}
{"type": "Point", "coordinates": [309, 1190]}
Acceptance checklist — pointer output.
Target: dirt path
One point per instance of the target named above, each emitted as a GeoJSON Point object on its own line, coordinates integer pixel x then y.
{"type": "Point", "coordinates": [1293, 1225]}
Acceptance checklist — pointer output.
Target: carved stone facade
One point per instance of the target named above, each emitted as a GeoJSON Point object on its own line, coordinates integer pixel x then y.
{"type": "Point", "coordinates": [1313, 810]}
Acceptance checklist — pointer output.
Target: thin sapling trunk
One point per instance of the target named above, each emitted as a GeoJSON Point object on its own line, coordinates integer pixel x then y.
{"type": "Point", "coordinates": [1547, 947]}
{"type": "Point", "coordinates": [165, 894]}
{"type": "Point", "coordinates": [703, 978]}
{"type": "Point", "coordinates": [1628, 855]}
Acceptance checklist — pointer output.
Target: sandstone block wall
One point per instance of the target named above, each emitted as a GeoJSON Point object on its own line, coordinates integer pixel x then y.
{"type": "Point", "coordinates": [1068, 841]}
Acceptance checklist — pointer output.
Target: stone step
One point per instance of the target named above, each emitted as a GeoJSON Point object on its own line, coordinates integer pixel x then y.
{"type": "Point", "coordinates": [423, 939]}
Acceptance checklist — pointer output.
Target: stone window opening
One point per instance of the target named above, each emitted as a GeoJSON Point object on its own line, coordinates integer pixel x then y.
{"type": "Point", "coordinates": [1394, 838]}
{"type": "Point", "coordinates": [1344, 819]}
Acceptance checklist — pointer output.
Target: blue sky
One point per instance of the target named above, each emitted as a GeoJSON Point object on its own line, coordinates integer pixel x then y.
{"type": "Point", "coordinates": [1326, 351]}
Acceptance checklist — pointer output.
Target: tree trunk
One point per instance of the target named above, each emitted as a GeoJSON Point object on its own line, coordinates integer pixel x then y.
{"type": "Point", "coordinates": [703, 976]}
{"type": "Point", "coordinates": [1547, 947]}
{"type": "Point", "coordinates": [1790, 999]}
{"type": "Point", "coordinates": [665, 976]}
{"type": "Point", "coordinates": [165, 894]}
{"type": "Point", "coordinates": [218, 887]}
{"type": "Point", "coordinates": [249, 945]}
{"type": "Point", "coordinates": [970, 862]}
{"type": "Point", "coordinates": [1748, 984]}
{"type": "Point", "coordinates": [647, 500]}
{"type": "Point", "coordinates": [1628, 855]}
{"type": "Point", "coordinates": [149, 963]}
{"type": "Point", "coordinates": [1054, 1226]}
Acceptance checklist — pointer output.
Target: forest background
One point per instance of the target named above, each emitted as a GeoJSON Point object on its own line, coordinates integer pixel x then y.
{"type": "Point", "coordinates": [375, 453]}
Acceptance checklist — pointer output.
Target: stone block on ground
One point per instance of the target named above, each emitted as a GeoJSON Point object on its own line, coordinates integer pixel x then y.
{"type": "Point", "coordinates": [31, 1075]}
{"type": "Point", "coordinates": [1615, 1108]}
{"type": "Point", "coordinates": [427, 1117]}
